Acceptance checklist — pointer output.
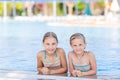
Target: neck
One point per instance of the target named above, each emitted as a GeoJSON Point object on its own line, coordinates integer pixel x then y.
{"type": "Point", "coordinates": [49, 54]}
{"type": "Point", "coordinates": [79, 55]}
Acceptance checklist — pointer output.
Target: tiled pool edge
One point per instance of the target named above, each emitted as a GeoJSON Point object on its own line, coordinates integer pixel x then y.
{"type": "Point", "coordinates": [27, 75]}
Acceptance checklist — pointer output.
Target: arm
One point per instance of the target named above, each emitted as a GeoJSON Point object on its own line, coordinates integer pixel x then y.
{"type": "Point", "coordinates": [71, 68]}
{"type": "Point", "coordinates": [39, 62]}
{"type": "Point", "coordinates": [93, 70]}
{"type": "Point", "coordinates": [63, 61]}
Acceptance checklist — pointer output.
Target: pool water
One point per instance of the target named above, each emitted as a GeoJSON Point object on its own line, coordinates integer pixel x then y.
{"type": "Point", "coordinates": [21, 41]}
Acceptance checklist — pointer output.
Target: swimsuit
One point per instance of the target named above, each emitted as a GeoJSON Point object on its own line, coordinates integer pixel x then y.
{"type": "Point", "coordinates": [52, 65]}
{"type": "Point", "coordinates": [82, 68]}
{"type": "Point", "coordinates": [85, 67]}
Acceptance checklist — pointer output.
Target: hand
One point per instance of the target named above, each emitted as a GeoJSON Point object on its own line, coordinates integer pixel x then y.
{"type": "Point", "coordinates": [74, 73]}
{"type": "Point", "coordinates": [45, 70]}
{"type": "Point", "coordinates": [79, 73]}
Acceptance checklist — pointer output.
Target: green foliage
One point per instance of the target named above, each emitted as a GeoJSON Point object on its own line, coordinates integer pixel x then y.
{"type": "Point", "coordinates": [9, 4]}
{"type": "Point", "coordinates": [50, 4]}
{"type": "Point", "coordinates": [102, 5]}
{"type": "Point", "coordinates": [100, 0]}
{"type": "Point", "coordinates": [9, 8]}
{"type": "Point", "coordinates": [19, 8]}
{"type": "Point", "coordinates": [81, 6]}
{"type": "Point", "coordinates": [1, 9]}
{"type": "Point", "coordinates": [60, 11]}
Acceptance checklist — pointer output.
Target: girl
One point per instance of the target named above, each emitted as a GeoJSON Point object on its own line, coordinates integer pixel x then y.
{"type": "Point", "coordinates": [81, 63]}
{"type": "Point", "coordinates": [52, 60]}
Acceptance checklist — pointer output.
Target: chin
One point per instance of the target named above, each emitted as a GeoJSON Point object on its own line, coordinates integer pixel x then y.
{"type": "Point", "coordinates": [78, 52]}
{"type": "Point", "coordinates": [51, 51]}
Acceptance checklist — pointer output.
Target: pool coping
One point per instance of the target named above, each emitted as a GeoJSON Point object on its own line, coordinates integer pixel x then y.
{"type": "Point", "coordinates": [29, 75]}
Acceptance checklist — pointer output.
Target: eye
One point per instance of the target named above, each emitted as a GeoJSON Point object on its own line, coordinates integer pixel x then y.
{"type": "Point", "coordinates": [47, 44]}
{"type": "Point", "coordinates": [80, 44]}
{"type": "Point", "coordinates": [53, 43]}
{"type": "Point", "coordinates": [74, 45]}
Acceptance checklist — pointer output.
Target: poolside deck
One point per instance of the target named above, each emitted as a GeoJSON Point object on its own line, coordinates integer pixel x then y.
{"type": "Point", "coordinates": [94, 21]}
{"type": "Point", "coordinates": [83, 21]}
{"type": "Point", "coordinates": [27, 75]}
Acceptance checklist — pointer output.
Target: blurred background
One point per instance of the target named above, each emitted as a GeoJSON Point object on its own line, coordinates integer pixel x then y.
{"type": "Point", "coordinates": [12, 8]}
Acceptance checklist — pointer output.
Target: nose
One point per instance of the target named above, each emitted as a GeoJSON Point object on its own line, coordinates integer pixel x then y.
{"type": "Point", "coordinates": [50, 46]}
{"type": "Point", "coordinates": [77, 47]}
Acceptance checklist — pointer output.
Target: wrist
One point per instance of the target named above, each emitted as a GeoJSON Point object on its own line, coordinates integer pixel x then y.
{"type": "Point", "coordinates": [50, 71]}
{"type": "Point", "coordinates": [80, 74]}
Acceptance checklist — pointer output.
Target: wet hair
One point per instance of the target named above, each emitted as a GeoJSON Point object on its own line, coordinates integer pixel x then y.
{"type": "Point", "coordinates": [77, 36]}
{"type": "Point", "coordinates": [50, 34]}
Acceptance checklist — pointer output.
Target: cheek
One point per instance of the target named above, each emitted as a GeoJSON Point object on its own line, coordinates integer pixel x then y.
{"type": "Point", "coordinates": [45, 46]}
{"type": "Point", "coordinates": [73, 47]}
{"type": "Point", "coordinates": [82, 47]}
{"type": "Point", "coordinates": [55, 45]}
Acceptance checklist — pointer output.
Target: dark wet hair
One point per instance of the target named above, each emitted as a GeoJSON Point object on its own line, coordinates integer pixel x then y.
{"type": "Point", "coordinates": [76, 36]}
{"type": "Point", "coordinates": [50, 34]}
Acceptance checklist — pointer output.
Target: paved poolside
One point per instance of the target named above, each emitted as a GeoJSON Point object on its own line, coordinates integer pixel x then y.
{"type": "Point", "coordinates": [27, 75]}
{"type": "Point", "coordinates": [95, 21]}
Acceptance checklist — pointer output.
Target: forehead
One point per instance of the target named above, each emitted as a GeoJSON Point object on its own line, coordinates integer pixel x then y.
{"type": "Point", "coordinates": [76, 40]}
{"type": "Point", "coordinates": [50, 39]}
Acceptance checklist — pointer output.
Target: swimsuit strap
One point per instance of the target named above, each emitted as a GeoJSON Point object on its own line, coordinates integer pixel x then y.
{"type": "Point", "coordinates": [54, 54]}
{"type": "Point", "coordinates": [44, 54]}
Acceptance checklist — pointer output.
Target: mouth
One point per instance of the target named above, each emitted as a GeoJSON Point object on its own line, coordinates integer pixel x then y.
{"type": "Point", "coordinates": [51, 50]}
{"type": "Point", "coordinates": [78, 50]}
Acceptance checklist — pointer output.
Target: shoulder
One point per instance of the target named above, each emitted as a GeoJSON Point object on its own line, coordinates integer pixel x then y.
{"type": "Point", "coordinates": [60, 51]}
{"type": "Point", "coordinates": [40, 53]}
{"type": "Point", "coordinates": [89, 54]}
{"type": "Point", "coordinates": [70, 54]}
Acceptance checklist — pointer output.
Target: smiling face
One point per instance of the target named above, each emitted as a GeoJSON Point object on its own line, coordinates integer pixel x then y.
{"type": "Point", "coordinates": [50, 44]}
{"type": "Point", "coordinates": [78, 45]}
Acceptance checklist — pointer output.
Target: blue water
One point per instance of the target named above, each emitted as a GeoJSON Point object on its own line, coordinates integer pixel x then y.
{"type": "Point", "coordinates": [21, 41]}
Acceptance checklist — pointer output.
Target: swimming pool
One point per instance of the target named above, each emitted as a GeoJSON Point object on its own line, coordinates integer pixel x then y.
{"type": "Point", "coordinates": [21, 41]}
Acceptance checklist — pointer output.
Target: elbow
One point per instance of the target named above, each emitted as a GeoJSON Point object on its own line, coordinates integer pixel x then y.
{"type": "Point", "coordinates": [94, 72]}
{"type": "Point", "coordinates": [38, 70]}
{"type": "Point", "coordinates": [65, 70]}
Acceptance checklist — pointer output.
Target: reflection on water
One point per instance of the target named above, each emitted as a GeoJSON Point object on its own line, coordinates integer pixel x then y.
{"type": "Point", "coordinates": [20, 42]}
